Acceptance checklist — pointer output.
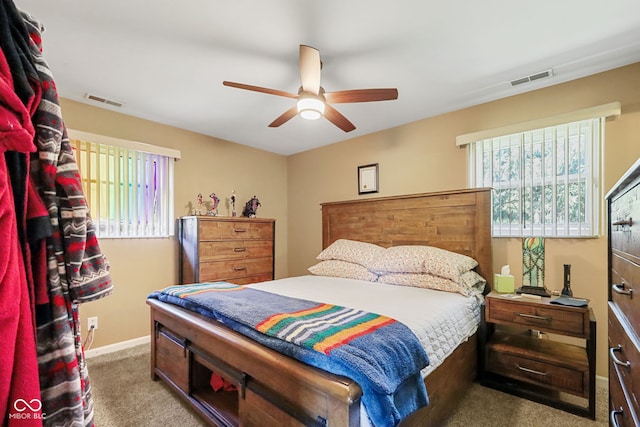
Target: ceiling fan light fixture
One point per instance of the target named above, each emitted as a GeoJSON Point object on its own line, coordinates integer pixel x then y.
{"type": "Point", "coordinates": [310, 108]}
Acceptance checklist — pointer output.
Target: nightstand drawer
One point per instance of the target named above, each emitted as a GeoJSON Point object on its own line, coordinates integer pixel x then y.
{"type": "Point", "coordinates": [543, 362]}
{"type": "Point", "coordinates": [537, 372]}
{"type": "Point", "coordinates": [532, 315]}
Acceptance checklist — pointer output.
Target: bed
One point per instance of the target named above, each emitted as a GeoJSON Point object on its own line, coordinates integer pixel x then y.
{"type": "Point", "coordinates": [268, 388]}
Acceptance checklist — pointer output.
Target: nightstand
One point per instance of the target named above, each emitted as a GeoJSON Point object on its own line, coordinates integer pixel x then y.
{"type": "Point", "coordinates": [515, 359]}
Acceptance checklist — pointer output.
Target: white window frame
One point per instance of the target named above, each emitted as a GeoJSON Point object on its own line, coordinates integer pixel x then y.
{"type": "Point", "coordinates": [583, 131]}
{"type": "Point", "coordinates": [128, 185]}
{"type": "Point", "coordinates": [551, 162]}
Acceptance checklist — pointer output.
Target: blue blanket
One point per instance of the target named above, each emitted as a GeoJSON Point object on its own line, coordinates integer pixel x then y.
{"type": "Point", "coordinates": [381, 354]}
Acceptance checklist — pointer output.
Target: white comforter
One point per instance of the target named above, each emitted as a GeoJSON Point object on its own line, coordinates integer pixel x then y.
{"type": "Point", "coordinates": [441, 320]}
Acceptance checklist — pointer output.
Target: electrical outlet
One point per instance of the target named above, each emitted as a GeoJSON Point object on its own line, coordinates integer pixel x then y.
{"type": "Point", "coordinates": [92, 322]}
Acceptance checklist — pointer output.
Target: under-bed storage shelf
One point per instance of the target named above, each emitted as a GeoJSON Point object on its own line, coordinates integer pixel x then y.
{"type": "Point", "coordinates": [189, 373]}
{"type": "Point", "coordinates": [223, 404]}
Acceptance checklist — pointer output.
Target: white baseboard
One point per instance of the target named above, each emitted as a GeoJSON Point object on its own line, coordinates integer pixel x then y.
{"type": "Point", "coordinates": [98, 351]}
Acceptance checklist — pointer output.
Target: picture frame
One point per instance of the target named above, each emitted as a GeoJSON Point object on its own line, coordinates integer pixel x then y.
{"type": "Point", "coordinates": [368, 179]}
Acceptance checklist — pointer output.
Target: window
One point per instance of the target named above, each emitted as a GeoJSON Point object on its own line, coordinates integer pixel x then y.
{"type": "Point", "coordinates": [128, 185]}
{"type": "Point", "coordinates": [545, 181]}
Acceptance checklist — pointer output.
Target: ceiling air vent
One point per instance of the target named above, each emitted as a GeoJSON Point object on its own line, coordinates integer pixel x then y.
{"type": "Point", "coordinates": [533, 77]}
{"type": "Point", "coordinates": [102, 100]}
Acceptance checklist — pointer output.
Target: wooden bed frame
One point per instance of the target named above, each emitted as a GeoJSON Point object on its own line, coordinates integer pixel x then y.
{"type": "Point", "coordinates": [275, 390]}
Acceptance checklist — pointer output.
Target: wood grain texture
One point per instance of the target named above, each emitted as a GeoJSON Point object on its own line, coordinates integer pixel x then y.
{"type": "Point", "coordinates": [623, 206]}
{"type": "Point", "coordinates": [458, 221]}
{"type": "Point", "coordinates": [284, 391]}
{"type": "Point", "coordinates": [238, 250]}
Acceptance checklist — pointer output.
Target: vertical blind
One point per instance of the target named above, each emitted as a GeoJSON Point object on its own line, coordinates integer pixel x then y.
{"type": "Point", "coordinates": [545, 181]}
{"type": "Point", "coordinates": [129, 192]}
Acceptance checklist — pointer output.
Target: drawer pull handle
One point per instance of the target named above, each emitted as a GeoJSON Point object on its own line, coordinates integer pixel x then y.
{"type": "Point", "coordinates": [628, 222]}
{"type": "Point", "coordinates": [619, 289]}
{"type": "Point", "coordinates": [531, 371]}
{"type": "Point", "coordinates": [612, 355]}
{"type": "Point", "coordinates": [239, 268]}
{"type": "Point", "coordinates": [239, 249]}
{"type": "Point", "coordinates": [533, 316]}
{"type": "Point", "coordinates": [612, 416]}
{"type": "Point", "coordinates": [239, 230]}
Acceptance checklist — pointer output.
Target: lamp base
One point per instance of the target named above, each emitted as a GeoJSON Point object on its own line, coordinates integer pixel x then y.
{"type": "Point", "coordinates": [533, 290]}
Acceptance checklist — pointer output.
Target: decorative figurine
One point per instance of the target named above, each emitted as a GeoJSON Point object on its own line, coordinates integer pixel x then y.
{"type": "Point", "coordinates": [251, 207]}
{"type": "Point", "coordinates": [233, 203]}
{"type": "Point", "coordinates": [214, 205]}
{"type": "Point", "coordinates": [200, 202]}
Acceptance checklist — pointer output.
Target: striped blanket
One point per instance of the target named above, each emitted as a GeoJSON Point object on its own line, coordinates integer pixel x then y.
{"type": "Point", "coordinates": [381, 354]}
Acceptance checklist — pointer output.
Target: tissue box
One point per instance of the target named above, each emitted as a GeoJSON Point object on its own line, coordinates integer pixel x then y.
{"type": "Point", "coordinates": [503, 284]}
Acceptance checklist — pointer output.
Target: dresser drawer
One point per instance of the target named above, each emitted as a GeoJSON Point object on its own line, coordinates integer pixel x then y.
{"type": "Point", "coordinates": [212, 251]}
{"type": "Point", "coordinates": [242, 230]}
{"type": "Point", "coordinates": [229, 269]}
{"type": "Point", "coordinates": [624, 238]}
{"type": "Point", "coordinates": [251, 279]}
{"type": "Point", "coordinates": [627, 296]}
{"type": "Point", "coordinates": [556, 319]}
{"type": "Point", "coordinates": [620, 413]}
{"type": "Point", "coordinates": [625, 350]}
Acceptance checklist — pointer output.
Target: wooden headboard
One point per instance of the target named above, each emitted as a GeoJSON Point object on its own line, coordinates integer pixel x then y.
{"type": "Point", "coordinates": [458, 221]}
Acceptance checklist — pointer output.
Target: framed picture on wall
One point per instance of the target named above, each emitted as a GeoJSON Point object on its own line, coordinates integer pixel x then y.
{"type": "Point", "coordinates": [368, 179]}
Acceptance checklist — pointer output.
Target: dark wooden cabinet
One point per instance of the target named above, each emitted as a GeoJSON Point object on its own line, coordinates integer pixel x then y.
{"type": "Point", "coordinates": [236, 250]}
{"type": "Point", "coordinates": [518, 361]}
{"type": "Point", "coordinates": [623, 208]}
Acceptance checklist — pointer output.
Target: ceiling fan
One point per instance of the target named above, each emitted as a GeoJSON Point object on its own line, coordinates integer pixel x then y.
{"type": "Point", "coordinates": [313, 102]}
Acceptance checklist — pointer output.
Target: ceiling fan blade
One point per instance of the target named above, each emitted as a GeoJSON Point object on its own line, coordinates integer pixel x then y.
{"type": "Point", "coordinates": [260, 89]}
{"type": "Point", "coordinates": [310, 69]}
{"type": "Point", "coordinates": [361, 95]}
{"type": "Point", "coordinates": [335, 117]}
{"type": "Point", "coordinates": [284, 117]}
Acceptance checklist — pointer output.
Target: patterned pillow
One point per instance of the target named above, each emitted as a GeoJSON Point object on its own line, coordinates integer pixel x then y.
{"type": "Point", "coordinates": [351, 251]}
{"type": "Point", "coordinates": [401, 259]}
{"type": "Point", "coordinates": [347, 270]}
{"type": "Point", "coordinates": [447, 264]}
{"type": "Point", "coordinates": [423, 259]}
{"type": "Point", "coordinates": [472, 284]}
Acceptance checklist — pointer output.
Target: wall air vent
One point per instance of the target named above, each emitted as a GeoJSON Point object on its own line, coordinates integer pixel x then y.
{"type": "Point", "coordinates": [102, 100]}
{"type": "Point", "coordinates": [533, 77]}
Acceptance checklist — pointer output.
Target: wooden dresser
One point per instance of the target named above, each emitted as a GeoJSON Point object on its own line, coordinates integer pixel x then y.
{"type": "Point", "coordinates": [236, 250]}
{"type": "Point", "coordinates": [623, 207]}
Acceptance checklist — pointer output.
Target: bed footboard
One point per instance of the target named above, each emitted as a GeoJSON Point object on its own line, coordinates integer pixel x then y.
{"type": "Point", "coordinates": [270, 388]}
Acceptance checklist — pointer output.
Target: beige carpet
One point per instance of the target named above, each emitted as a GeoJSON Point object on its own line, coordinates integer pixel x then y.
{"type": "Point", "coordinates": [124, 395]}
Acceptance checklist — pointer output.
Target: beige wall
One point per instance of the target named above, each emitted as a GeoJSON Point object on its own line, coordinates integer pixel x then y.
{"type": "Point", "coordinates": [415, 158]}
{"type": "Point", "coordinates": [139, 266]}
{"type": "Point", "coordinates": [422, 157]}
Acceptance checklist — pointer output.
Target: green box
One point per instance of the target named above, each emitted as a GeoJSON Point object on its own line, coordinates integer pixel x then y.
{"type": "Point", "coordinates": [503, 284]}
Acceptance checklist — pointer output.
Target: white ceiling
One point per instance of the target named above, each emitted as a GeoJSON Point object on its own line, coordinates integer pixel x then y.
{"type": "Point", "coordinates": [165, 60]}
